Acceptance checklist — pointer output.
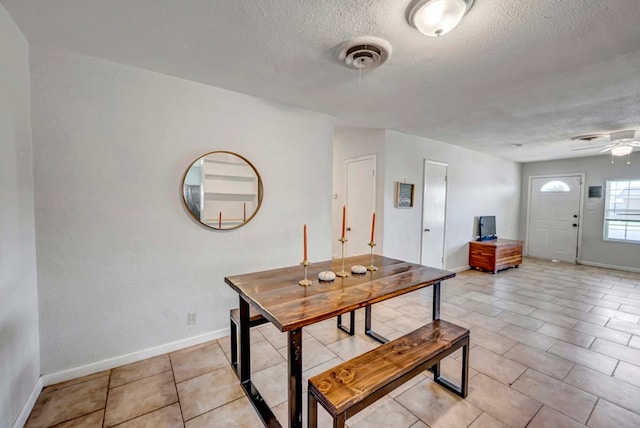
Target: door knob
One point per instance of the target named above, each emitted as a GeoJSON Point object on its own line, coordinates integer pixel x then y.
{"type": "Point", "coordinates": [427, 230]}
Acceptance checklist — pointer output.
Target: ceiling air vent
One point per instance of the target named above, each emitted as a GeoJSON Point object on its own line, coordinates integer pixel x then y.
{"type": "Point", "coordinates": [364, 53]}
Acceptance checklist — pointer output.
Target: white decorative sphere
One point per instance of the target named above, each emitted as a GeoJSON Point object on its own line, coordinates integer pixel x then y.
{"type": "Point", "coordinates": [326, 275]}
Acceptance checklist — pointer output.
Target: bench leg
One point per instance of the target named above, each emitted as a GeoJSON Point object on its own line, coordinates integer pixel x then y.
{"type": "Point", "coordinates": [312, 411]}
{"type": "Point", "coordinates": [352, 326]}
{"type": "Point", "coordinates": [463, 389]}
{"type": "Point", "coordinates": [465, 369]}
{"type": "Point", "coordinates": [234, 345]}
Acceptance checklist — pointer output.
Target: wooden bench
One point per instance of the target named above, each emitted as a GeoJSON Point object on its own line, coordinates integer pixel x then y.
{"type": "Point", "coordinates": [353, 385]}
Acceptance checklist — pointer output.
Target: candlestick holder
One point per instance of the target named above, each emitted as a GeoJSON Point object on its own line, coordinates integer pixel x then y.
{"type": "Point", "coordinates": [343, 273]}
{"type": "Point", "coordinates": [304, 282]}
{"type": "Point", "coordinates": [371, 267]}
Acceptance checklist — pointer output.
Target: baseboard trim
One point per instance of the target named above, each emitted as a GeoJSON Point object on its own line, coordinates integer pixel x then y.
{"type": "Point", "coordinates": [460, 269]}
{"type": "Point", "coordinates": [603, 265]}
{"type": "Point", "coordinates": [110, 363]}
{"type": "Point", "coordinates": [28, 406]}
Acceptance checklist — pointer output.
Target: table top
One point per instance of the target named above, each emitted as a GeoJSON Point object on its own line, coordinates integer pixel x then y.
{"type": "Point", "coordinates": [277, 295]}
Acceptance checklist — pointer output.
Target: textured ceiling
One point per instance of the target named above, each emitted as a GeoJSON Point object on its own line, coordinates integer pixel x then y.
{"type": "Point", "coordinates": [532, 72]}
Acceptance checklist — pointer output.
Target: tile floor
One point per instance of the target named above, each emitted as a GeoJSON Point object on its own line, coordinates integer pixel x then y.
{"type": "Point", "coordinates": [553, 345]}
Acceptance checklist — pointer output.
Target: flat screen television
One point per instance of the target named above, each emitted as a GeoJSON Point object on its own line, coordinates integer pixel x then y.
{"type": "Point", "coordinates": [487, 227]}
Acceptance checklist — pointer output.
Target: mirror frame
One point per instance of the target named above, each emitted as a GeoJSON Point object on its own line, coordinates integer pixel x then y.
{"type": "Point", "coordinates": [260, 190]}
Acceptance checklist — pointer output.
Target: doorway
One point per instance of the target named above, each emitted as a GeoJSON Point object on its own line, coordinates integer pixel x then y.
{"type": "Point", "coordinates": [361, 203]}
{"type": "Point", "coordinates": [434, 205]}
{"type": "Point", "coordinates": [553, 230]}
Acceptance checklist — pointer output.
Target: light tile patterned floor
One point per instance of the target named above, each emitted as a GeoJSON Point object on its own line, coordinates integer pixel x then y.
{"type": "Point", "coordinates": [553, 345]}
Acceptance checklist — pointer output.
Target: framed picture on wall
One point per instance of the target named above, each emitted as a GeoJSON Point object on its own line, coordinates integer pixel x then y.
{"type": "Point", "coordinates": [404, 195]}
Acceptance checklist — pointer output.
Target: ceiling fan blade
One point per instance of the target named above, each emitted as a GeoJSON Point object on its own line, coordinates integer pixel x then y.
{"type": "Point", "coordinates": [627, 134]}
{"type": "Point", "coordinates": [607, 148]}
{"type": "Point", "coordinates": [588, 148]}
{"type": "Point", "coordinates": [634, 144]}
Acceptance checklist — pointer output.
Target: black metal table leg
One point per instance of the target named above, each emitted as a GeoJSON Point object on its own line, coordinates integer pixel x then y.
{"type": "Point", "coordinates": [352, 325]}
{"type": "Point", "coordinates": [436, 316]}
{"type": "Point", "coordinates": [367, 327]}
{"type": "Point", "coordinates": [436, 301]}
{"type": "Point", "coordinates": [268, 418]}
{"type": "Point", "coordinates": [245, 351]}
{"type": "Point", "coordinates": [294, 363]}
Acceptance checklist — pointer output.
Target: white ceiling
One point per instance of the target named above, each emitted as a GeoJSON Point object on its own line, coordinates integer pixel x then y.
{"type": "Point", "coordinates": [530, 72]}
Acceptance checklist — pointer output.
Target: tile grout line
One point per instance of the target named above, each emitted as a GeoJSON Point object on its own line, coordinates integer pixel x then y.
{"type": "Point", "coordinates": [106, 400]}
{"type": "Point", "coordinates": [141, 415]}
{"type": "Point", "coordinates": [128, 383]}
{"type": "Point", "coordinates": [175, 385]}
{"type": "Point", "coordinates": [141, 378]}
{"type": "Point", "coordinates": [592, 410]}
{"type": "Point", "coordinates": [478, 417]}
{"type": "Point", "coordinates": [218, 407]}
{"type": "Point", "coordinates": [536, 413]}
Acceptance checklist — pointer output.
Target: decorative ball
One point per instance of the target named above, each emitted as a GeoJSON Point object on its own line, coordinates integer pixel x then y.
{"type": "Point", "coordinates": [326, 275]}
{"type": "Point", "coordinates": [358, 269]}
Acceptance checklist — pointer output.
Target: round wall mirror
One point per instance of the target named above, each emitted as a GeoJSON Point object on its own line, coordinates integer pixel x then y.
{"type": "Point", "coordinates": [222, 190]}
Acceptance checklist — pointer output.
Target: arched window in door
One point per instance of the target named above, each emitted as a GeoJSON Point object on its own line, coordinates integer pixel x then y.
{"type": "Point", "coordinates": [555, 186]}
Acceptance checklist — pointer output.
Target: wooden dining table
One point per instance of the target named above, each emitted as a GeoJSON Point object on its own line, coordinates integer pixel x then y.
{"type": "Point", "coordinates": [290, 307]}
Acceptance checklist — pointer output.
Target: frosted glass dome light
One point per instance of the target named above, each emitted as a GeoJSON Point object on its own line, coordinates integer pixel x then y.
{"type": "Point", "coordinates": [621, 150]}
{"type": "Point", "coordinates": [437, 17]}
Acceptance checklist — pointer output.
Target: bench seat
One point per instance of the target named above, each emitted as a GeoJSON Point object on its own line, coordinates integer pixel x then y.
{"type": "Point", "coordinates": [353, 385]}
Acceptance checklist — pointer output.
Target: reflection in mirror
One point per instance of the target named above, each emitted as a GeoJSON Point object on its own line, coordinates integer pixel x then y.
{"type": "Point", "coordinates": [222, 190]}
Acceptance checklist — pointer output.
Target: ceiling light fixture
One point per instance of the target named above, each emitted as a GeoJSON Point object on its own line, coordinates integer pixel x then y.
{"type": "Point", "coordinates": [437, 17]}
{"type": "Point", "coordinates": [622, 150]}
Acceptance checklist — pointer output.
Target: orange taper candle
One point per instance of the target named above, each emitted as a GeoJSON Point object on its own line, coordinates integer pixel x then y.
{"type": "Point", "coordinates": [305, 242]}
{"type": "Point", "coordinates": [373, 226]}
{"type": "Point", "coordinates": [344, 214]}
{"type": "Point", "coordinates": [220, 220]}
{"type": "Point", "coordinates": [245, 211]}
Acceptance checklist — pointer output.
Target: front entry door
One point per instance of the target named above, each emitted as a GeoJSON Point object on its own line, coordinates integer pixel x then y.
{"type": "Point", "coordinates": [554, 217]}
{"type": "Point", "coordinates": [433, 214]}
{"type": "Point", "coordinates": [361, 202]}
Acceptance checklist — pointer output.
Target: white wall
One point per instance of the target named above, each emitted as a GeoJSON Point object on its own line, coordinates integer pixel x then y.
{"type": "Point", "coordinates": [478, 184]}
{"type": "Point", "coordinates": [349, 143]}
{"type": "Point", "coordinates": [597, 170]}
{"type": "Point", "coordinates": [19, 352]}
{"type": "Point", "coordinates": [120, 262]}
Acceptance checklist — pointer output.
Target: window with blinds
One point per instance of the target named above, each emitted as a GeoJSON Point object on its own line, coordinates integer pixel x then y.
{"type": "Point", "coordinates": [622, 211]}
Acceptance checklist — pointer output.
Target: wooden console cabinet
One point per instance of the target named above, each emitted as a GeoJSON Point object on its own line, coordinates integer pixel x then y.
{"type": "Point", "coordinates": [495, 255]}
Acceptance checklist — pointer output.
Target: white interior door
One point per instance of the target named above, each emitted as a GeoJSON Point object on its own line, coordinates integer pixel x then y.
{"type": "Point", "coordinates": [554, 217]}
{"type": "Point", "coordinates": [360, 202]}
{"type": "Point", "coordinates": [433, 214]}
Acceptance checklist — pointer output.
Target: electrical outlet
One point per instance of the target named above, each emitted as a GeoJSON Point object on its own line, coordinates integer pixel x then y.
{"type": "Point", "coordinates": [192, 318]}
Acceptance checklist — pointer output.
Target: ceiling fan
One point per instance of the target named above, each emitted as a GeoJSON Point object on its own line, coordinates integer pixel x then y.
{"type": "Point", "coordinates": [621, 143]}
